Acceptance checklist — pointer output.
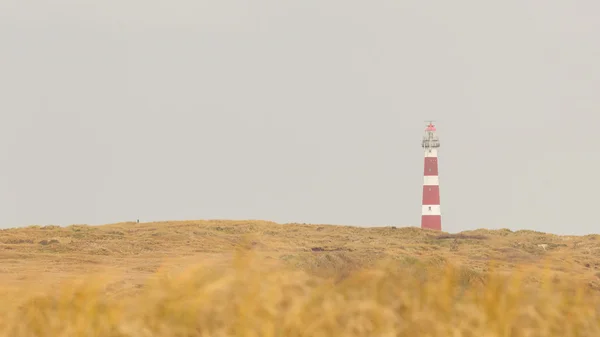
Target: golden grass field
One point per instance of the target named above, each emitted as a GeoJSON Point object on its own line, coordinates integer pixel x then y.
{"type": "Point", "coordinates": [262, 279]}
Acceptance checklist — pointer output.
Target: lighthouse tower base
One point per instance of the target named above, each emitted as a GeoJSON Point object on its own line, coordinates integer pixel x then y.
{"type": "Point", "coordinates": [431, 222]}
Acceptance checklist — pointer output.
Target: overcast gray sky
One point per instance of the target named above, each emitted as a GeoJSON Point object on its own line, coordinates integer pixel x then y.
{"type": "Point", "coordinates": [300, 111]}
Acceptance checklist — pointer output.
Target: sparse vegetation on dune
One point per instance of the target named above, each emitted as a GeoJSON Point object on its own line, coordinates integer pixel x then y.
{"type": "Point", "coordinates": [234, 278]}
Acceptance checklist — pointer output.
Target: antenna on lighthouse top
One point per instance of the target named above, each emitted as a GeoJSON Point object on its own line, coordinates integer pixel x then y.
{"type": "Point", "coordinates": [430, 126]}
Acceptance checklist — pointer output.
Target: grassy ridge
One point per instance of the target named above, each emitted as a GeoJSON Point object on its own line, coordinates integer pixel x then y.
{"type": "Point", "coordinates": [263, 279]}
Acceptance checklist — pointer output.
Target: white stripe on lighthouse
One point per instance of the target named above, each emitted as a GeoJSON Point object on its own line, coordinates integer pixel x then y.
{"type": "Point", "coordinates": [431, 181]}
{"type": "Point", "coordinates": [431, 153]}
{"type": "Point", "coordinates": [431, 210]}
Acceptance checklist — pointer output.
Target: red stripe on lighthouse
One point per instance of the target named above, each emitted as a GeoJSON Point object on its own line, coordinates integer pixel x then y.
{"type": "Point", "coordinates": [431, 222]}
{"type": "Point", "coordinates": [431, 166]}
{"type": "Point", "coordinates": [431, 195]}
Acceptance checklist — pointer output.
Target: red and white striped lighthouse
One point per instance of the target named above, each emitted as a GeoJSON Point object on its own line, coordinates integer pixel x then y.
{"type": "Point", "coordinates": [431, 217]}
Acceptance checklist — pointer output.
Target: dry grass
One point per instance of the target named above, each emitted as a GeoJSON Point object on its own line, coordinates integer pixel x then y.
{"type": "Point", "coordinates": [227, 278]}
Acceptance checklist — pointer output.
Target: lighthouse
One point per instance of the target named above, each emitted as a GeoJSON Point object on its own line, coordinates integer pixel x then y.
{"type": "Point", "coordinates": [431, 217]}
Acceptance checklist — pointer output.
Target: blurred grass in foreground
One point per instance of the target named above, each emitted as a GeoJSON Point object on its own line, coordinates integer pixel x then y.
{"type": "Point", "coordinates": [253, 299]}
